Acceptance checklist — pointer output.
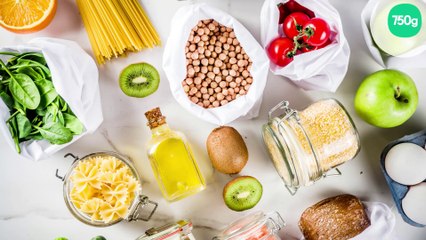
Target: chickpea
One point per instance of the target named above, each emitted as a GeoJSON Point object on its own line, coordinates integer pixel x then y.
{"type": "Point", "coordinates": [194, 99]}
{"type": "Point", "coordinates": [217, 66]}
{"type": "Point", "coordinates": [215, 104]}
{"type": "Point", "coordinates": [186, 88]}
{"type": "Point", "coordinates": [189, 81]}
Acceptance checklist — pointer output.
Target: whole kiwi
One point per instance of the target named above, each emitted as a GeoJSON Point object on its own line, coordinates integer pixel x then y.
{"type": "Point", "coordinates": [227, 150]}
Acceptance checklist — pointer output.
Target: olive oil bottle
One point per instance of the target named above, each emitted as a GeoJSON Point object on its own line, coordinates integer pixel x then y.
{"type": "Point", "coordinates": [171, 158]}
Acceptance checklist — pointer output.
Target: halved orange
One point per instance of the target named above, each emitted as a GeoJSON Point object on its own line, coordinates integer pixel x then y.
{"type": "Point", "coordinates": [26, 16]}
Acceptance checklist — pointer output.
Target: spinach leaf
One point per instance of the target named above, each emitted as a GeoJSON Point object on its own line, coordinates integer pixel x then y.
{"type": "Point", "coordinates": [19, 107]}
{"type": "Point", "coordinates": [47, 92]}
{"type": "Point", "coordinates": [41, 112]}
{"type": "Point", "coordinates": [60, 118]}
{"type": "Point", "coordinates": [23, 125]}
{"type": "Point", "coordinates": [73, 124]}
{"type": "Point", "coordinates": [38, 57]}
{"type": "Point", "coordinates": [7, 99]}
{"type": "Point", "coordinates": [9, 53]}
{"type": "Point", "coordinates": [51, 114]}
{"type": "Point", "coordinates": [14, 132]}
{"type": "Point", "coordinates": [30, 72]}
{"type": "Point", "coordinates": [55, 133]}
{"type": "Point", "coordinates": [30, 63]}
{"type": "Point", "coordinates": [24, 90]}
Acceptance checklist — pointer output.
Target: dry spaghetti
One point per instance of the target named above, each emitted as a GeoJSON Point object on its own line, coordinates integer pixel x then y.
{"type": "Point", "coordinates": [116, 27]}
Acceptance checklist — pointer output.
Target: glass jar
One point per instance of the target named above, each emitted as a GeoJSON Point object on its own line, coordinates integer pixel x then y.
{"type": "Point", "coordinates": [256, 226]}
{"type": "Point", "coordinates": [181, 230]}
{"type": "Point", "coordinates": [135, 207]}
{"type": "Point", "coordinates": [305, 145]}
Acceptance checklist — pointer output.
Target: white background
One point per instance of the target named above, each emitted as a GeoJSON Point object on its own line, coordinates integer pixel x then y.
{"type": "Point", "coordinates": [31, 200]}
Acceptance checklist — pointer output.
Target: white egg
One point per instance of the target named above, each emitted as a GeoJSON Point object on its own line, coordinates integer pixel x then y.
{"type": "Point", "coordinates": [414, 205]}
{"type": "Point", "coordinates": [405, 163]}
{"type": "Point", "coordinates": [389, 26]}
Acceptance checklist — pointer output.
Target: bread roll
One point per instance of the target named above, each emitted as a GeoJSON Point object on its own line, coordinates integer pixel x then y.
{"type": "Point", "coordinates": [336, 218]}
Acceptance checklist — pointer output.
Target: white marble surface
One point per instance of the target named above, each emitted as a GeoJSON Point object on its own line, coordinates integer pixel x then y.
{"type": "Point", "coordinates": [31, 201]}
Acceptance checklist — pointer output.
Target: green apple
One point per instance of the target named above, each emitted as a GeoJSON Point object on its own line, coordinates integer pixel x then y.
{"type": "Point", "coordinates": [386, 98]}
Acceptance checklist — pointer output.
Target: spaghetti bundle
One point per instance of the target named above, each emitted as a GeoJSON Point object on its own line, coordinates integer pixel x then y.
{"type": "Point", "coordinates": [116, 27]}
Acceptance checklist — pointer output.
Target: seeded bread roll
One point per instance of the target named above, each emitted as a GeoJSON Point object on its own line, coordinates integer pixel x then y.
{"type": "Point", "coordinates": [336, 218]}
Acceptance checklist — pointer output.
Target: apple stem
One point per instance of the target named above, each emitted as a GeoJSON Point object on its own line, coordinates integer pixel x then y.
{"type": "Point", "coordinates": [398, 95]}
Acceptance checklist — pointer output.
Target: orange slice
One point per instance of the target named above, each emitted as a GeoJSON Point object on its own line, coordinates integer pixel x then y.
{"type": "Point", "coordinates": [26, 16]}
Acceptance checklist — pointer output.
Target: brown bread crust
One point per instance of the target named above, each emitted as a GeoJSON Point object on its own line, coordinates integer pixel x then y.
{"type": "Point", "coordinates": [337, 218]}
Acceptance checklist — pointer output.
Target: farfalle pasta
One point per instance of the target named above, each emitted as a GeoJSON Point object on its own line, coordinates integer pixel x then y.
{"type": "Point", "coordinates": [103, 187]}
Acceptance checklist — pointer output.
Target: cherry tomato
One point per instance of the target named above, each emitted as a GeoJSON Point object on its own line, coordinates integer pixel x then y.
{"type": "Point", "coordinates": [280, 51]}
{"type": "Point", "coordinates": [293, 24]}
{"type": "Point", "coordinates": [291, 6]}
{"type": "Point", "coordinates": [307, 48]}
{"type": "Point", "coordinates": [316, 32]}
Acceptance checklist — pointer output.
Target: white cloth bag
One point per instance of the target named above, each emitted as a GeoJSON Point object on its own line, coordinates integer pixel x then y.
{"type": "Point", "coordinates": [174, 64]}
{"type": "Point", "coordinates": [414, 58]}
{"type": "Point", "coordinates": [322, 69]}
{"type": "Point", "coordinates": [75, 77]}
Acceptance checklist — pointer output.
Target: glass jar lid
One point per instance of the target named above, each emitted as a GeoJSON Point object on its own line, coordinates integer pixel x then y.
{"type": "Point", "coordinates": [256, 226]}
{"type": "Point", "coordinates": [179, 230]}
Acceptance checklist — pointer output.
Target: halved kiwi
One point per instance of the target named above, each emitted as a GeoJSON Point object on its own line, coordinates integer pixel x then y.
{"type": "Point", "coordinates": [242, 193]}
{"type": "Point", "coordinates": [139, 80]}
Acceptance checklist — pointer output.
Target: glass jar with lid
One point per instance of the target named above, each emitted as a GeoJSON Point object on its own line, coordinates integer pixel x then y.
{"type": "Point", "coordinates": [305, 145]}
{"type": "Point", "coordinates": [104, 188]}
{"type": "Point", "coordinates": [256, 226]}
{"type": "Point", "coordinates": [181, 230]}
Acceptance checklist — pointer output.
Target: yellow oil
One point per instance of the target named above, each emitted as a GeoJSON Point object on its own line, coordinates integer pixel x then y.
{"type": "Point", "coordinates": [174, 167]}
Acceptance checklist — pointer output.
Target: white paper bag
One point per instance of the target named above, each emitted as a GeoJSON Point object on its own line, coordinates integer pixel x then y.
{"type": "Point", "coordinates": [75, 77]}
{"type": "Point", "coordinates": [322, 69]}
{"type": "Point", "coordinates": [414, 58]}
{"type": "Point", "coordinates": [174, 64]}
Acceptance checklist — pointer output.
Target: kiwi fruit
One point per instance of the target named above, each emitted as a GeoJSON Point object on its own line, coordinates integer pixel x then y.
{"type": "Point", "coordinates": [227, 150]}
{"type": "Point", "coordinates": [242, 193]}
{"type": "Point", "coordinates": [139, 80]}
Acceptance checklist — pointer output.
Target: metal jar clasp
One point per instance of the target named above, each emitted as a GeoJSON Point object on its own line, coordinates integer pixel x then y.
{"type": "Point", "coordinates": [283, 105]}
{"type": "Point", "coordinates": [62, 178]}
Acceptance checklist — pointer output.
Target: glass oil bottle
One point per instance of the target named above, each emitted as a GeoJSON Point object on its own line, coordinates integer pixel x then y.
{"type": "Point", "coordinates": [171, 158]}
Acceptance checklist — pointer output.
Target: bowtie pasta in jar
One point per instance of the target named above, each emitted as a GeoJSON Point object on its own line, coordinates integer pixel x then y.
{"type": "Point", "coordinates": [103, 188]}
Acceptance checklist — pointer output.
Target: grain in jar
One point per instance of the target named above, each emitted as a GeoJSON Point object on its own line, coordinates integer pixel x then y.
{"type": "Point", "coordinates": [305, 145]}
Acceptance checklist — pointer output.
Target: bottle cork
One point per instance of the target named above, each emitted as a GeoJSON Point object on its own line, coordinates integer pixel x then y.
{"type": "Point", "coordinates": [155, 118]}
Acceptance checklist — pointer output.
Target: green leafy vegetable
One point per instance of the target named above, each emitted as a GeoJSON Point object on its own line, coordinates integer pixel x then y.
{"type": "Point", "coordinates": [37, 112]}
{"type": "Point", "coordinates": [73, 124]}
{"type": "Point", "coordinates": [55, 133]}
{"type": "Point", "coordinates": [24, 125]}
{"type": "Point", "coordinates": [23, 89]}
{"type": "Point", "coordinates": [8, 100]}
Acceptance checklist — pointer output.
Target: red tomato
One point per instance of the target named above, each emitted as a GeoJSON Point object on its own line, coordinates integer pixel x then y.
{"type": "Point", "coordinates": [290, 7]}
{"type": "Point", "coordinates": [307, 48]}
{"type": "Point", "coordinates": [280, 51]}
{"type": "Point", "coordinates": [316, 32]}
{"type": "Point", "coordinates": [293, 24]}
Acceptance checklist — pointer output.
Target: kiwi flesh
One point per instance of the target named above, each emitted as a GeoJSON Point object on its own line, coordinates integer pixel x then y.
{"type": "Point", "coordinates": [139, 80]}
{"type": "Point", "coordinates": [242, 193]}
